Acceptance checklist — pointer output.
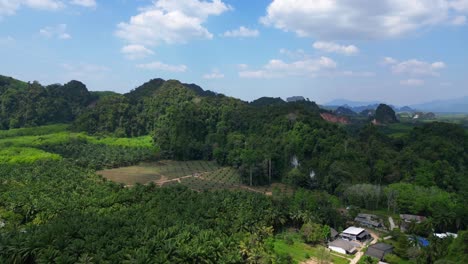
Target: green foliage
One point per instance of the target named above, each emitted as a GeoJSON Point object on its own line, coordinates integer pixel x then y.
{"type": "Point", "coordinates": [402, 246]}
{"type": "Point", "coordinates": [100, 156]}
{"type": "Point", "coordinates": [458, 249]}
{"type": "Point", "coordinates": [33, 131]}
{"type": "Point", "coordinates": [31, 104]}
{"type": "Point", "coordinates": [16, 155]}
{"type": "Point", "coordinates": [315, 233]}
{"type": "Point", "coordinates": [445, 209]}
{"type": "Point", "coordinates": [384, 114]}
{"type": "Point", "coordinates": [27, 145]}
{"type": "Point", "coordinates": [368, 260]}
{"type": "Point", "coordinates": [69, 215]}
{"type": "Point", "coordinates": [365, 195]}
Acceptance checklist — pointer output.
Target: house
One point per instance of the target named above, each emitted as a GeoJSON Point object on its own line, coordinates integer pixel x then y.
{"type": "Point", "coordinates": [355, 233]}
{"type": "Point", "coordinates": [343, 246]}
{"type": "Point", "coordinates": [379, 250]}
{"type": "Point", "coordinates": [368, 220]}
{"type": "Point", "coordinates": [412, 218]}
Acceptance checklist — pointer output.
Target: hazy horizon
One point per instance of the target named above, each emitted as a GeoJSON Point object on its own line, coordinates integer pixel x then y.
{"type": "Point", "coordinates": [389, 51]}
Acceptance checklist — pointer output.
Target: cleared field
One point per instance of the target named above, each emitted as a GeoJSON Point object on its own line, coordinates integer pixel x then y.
{"type": "Point", "coordinates": [191, 173]}
{"type": "Point", "coordinates": [197, 175]}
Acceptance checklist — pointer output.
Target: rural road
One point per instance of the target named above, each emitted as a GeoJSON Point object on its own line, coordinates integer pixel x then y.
{"type": "Point", "coordinates": [359, 254]}
{"type": "Point", "coordinates": [197, 175]}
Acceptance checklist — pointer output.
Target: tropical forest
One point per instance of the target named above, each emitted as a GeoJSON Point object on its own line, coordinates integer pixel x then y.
{"type": "Point", "coordinates": [172, 173]}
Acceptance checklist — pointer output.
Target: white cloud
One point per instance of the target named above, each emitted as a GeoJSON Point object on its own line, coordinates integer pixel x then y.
{"type": "Point", "coordinates": [242, 66]}
{"type": "Point", "coordinates": [459, 20]}
{"type": "Point", "coordinates": [335, 48]}
{"type": "Point", "coordinates": [459, 5]}
{"type": "Point", "coordinates": [242, 32]}
{"type": "Point", "coordinates": [415, 67]}
{"type": "Point", "coordinates": [168, 21]}
{"type": "Point", "coordinates": [389, 61]}
{"type": "Point", "coordinates": [59, 32]}
{"type": "Point", "coordinates": [9, 7]}
{"type": "Point", "coordinates": [278, 68]}
{"type": "Point", "coordinates": [358, 74]}
{"type": "Point", "coordinates": [162, 67]}
{"type": "Point", "coordinates": [44, 4]}
{"type": "Point", "coordinates": [412, 82]}
{"type": "Point", "coordinates": [359, 19]}
{"type": "Point", "coordinates": [193, 8]}
{"type": "Point", "coordinates": [84, 3]}
{"type": "Point", "coordinates": [215, 74]}
{"type": "Point", "coordinates": [294, 54]}
{"type": "Point", "coordinates": [134, 52]}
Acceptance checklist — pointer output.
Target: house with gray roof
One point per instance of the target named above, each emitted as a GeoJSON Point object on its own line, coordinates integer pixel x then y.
{"type": "Point", "coordinates": [343, 246]}
{"type": "Point", "coordinates": [379, 250]}
{"type": "Point", "coordinates": [368, 220]}
{"type": "Point", "coordinates": [412, 218]}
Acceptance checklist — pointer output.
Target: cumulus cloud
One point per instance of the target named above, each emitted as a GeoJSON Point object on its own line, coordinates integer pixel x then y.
{"type": "Point", "coordinates": [9, 7]}
{"type": "Point", "coordinates": [168, 21]}
{"type": "Point", "coordinates": [242, 66]}
{"type": "Point", "coordinates": [412, 82]}
{"type": "Point", "coordinates": [294, 54]}
{"type": "Point", "coordinates": [415, 67]}
{"type": "Point", "coordinates": [335, 48]}
{"type": "Point", "coordinates": [242, 32]}
{"type": "Point", "coordinates": [278, 68]}
{"type": "Point", "coordinates": [459, 20]}
{"type": "Point", "coordinates": [459, 5]}
{"type": "Point", "coordinates": [359, 19]}
{"type": "Point", "coordinates": [43, 4]}
{"type": "Point", "coordinates": [358, 74]}
{"type": "Point", "coordinates": [215, 74]}
{"type": "Point", "coordinates": [84, 3]}
{"type": "Point", "coordinates": [389, 61]}
{"type": "Point", "coordinates": [59, 32]}
{"type": "Point", "coordinates": [134, 52]}
{"type": "Point", "coordinates": [157, 65]}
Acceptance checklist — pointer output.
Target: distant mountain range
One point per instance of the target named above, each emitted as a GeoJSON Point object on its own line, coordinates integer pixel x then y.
{"type": "Point", "coordinates": [459, 105]}
{"type": "Point", "coordinates": [343, 102]}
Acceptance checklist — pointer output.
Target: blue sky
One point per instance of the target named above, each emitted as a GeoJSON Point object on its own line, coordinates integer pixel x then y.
{"type": "Point", "coordinates": [397, 51]}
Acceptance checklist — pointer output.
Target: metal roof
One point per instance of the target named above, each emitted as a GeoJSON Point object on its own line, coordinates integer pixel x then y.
{"type": "Point", "coordinates": [353, 230]}
{"type": "Point", "coordinates": [346, 245]}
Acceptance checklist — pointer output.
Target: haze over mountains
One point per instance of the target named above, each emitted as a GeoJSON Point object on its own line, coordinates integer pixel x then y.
{"type": "Point", "coordinates": [458, 105]}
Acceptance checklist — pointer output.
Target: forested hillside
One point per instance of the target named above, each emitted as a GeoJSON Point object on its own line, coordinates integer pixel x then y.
{"type": "Point", "coordinates": [58, 210]}
{"type": "Point", "coordinates": [31, 104]}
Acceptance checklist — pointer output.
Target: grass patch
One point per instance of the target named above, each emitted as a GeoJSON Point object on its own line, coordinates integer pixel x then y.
{"type": "Point", "coordinates": [33, 131]}
{"type": "Point", "coordinates": [138, 142]}
{"type": "Point", "coordinates": [64, 137]}
{"type": "Point", "coordinates": [25, 155]}
{"type": "Point", "coordinates": [290, 243]}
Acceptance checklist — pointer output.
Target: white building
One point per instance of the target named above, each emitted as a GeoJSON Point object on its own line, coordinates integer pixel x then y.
{"type": "Point", "coordinates": [343, 246]}
{"type": "Point", "coordinates": [355, 233]}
